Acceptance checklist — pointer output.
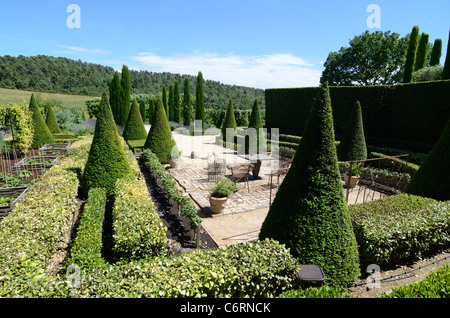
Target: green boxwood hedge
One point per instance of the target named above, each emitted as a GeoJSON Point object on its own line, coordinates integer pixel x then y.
{"type": "Point", "coordinates": [400, 228]}
{"type": "Point", "coordinates": [138, 231]}
{"type": "Point", "coordinates": [86, 250]}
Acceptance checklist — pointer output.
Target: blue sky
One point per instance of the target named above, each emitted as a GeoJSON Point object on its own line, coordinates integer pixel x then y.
{"type": "Point", "coordinates": [263, 43]}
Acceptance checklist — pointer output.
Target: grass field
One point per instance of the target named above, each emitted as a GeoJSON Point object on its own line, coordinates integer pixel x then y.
{"type": "Point", "coordinates": [14, 96]}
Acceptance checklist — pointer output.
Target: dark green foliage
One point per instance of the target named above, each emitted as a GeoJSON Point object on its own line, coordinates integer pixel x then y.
{"type": "Point", "coordinates": [411, 55]}
{"type": "Point", "coordinates": [171, 103]}
{"type": "Point", "coordinates": [229, 121]}
{"type": "Point", "coordinates": [51, 121]}
{"type": "Point", "coordinates": [200, 100]}
{"type": "Point", "coordinates": [115, 96]}
{"type": "Point", "coordinates": [422, 50]}
{"type": "Point", "coordinates": [309, 213]}
{"type": "Point", "coordinates": [107, 161]}
{"type": "Point", "coordinates": [125, 103]}
{"type": "Point", "coordinates": [255, 122]}
{"type": "Point", "coordinates": [164, 101]}
{"type": "Point", "coordinates": [432, 180]}
{"type": "Point", "coordinates": [143, 109]}
{"type": "Point", "coordinates": [436, 52]}
{"type": "Point", "coordinates": [446, 72]}
{"type": "Point", "coordinates": [151, 110]}
{"type": "Point", "coordinates": [186, 103]}
{"type": "Point", "coordinates": [177, 102]}
{"type": "Point", "coordinates": [403, 116]}
{"type": "Point", "coordinates": [353, 143]}
{"type": "Point", "coordinates": [159, 139]}
{"type": "Point", "coordinates": [42, 134]}
{"type": "Point", "coordinates": [134, 128]}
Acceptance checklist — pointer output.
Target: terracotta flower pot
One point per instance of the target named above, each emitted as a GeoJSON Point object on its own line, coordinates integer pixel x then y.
{"type": "Point", "coordinates": [218, 204]}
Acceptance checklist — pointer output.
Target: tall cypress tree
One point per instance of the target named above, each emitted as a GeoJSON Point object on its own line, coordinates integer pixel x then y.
{"type": "Point", "coordinates": [164, 101]}
{"type": "Point", "coordinates": [151, 109]}
{"type": "Point", "coordinates": [446, 71]}
{"type": "Point", "coordinates": [200, 100]}
{"type": "Point", "coordinates": [353, 144]}
{"type": "Point", "coordinates": [309, 213]}
{"type": "Point", "coordinates": [171, 103]}
{"type": "Point", "coordinates": [256, 123]}
{"type": "Point", "coordinates": [422, 50]}
{"type": "Point", "coordinates": [106, 161]}
{"type": "Point", "coordinates": [142, 109]}
{"type": "Point", "coordinates": [186, 103]}
{"type": "Point", "coordinates": [41, 134]}
{"type": "Point", "coordinates": [115, 96]}
{"type": "Point", "coordinates": [125, 95]}
{"type": "Point", "coordinates": [177, 102]}
{"type": "Point", "coordinates": [229, 121]}
{"type": "Point", "coordinates": [436, 52]}
{"type": "Point", "coordinates": [411, 55]}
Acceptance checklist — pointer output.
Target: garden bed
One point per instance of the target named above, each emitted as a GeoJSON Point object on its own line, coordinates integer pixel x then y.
{"type": "Point", "coordinates": [179, 232]}
{"type": "Point", "coordinates": [49, 149]}
{"type": "Point", "coordinates": [35, 163]}
{"type": "Point", "coordinates": [15, 194]}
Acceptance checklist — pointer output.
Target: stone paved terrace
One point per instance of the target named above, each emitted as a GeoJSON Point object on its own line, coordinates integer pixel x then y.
{"type": "Point", "coordinates": [245, 210]}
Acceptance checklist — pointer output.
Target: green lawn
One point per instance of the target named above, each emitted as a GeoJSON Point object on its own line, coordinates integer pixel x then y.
{"type": "Point", "coordinates": [15, 96]}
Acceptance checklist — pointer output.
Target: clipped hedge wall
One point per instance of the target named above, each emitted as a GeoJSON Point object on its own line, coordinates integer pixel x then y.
{"type": "Point", "coordinates": [86, 250]}
{"type": "Point", "coordinates": [400, 228]}
{"type": "Point", "coordinates": [138, 231]}
{"type": "Point", "coordinates": [407, 116]}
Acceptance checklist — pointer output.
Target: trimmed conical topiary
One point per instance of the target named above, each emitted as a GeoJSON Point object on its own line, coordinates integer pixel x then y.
{"type": "Point", "coordinates": [51, 121]}
{"type": "Point", "coordinates": [422, 51]}
{"type": "Point", "coordinates": [42, 134]}
{"type": "Point", "coordinates": [353, 144]}
{"type": "Point", "coordinates": [432, 180]}
{"type": "Point", "coordinates": [256, 123]}
{"type": "Point", "coordinates": [125, 96]}
{"type": "Point", "coordinates": [436, 53]}
{"type": "Point", "coordinates": [107, 161]}
{"type": "Point", "coordinates": [229, 121]}
{"type": "Point", "coordinates": [159, 139]}
{"type": "Point", "coordinates": [309, 213]}
{"type": "Point", "coordinates": [134, 128]}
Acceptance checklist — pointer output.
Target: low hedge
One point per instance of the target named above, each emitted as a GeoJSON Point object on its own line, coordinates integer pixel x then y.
{"type": "Point", "coordinates": [435, 285]}
{"type": "Point", "coordinates": [314, 292]}
{"type": "Point", "coordinates": [138, 231]}
{"type": "Point", "coordinates": [37, 227]}
{"type": "Point", "coordinates": [400, 228]}
{"type": "Point", "coordinates": [261, 269]}
{"type": "Point", "coordinates": [170, 185]}
{"type": "Point", "coordinates": [395, 164]}
{"type": "Point", "coordinates": [86, 250]}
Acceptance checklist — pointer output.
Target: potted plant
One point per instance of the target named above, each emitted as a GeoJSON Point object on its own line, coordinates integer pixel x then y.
{"type": "Point", "coordinates": [174, 156]}
{"type": "Point", "coordinates": [350, 182]}
{"type": "Point", "coordinates": [219, 194]}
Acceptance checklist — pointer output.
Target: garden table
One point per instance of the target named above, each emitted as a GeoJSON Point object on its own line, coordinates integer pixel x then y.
{"type": "Point", "coordinates": [257, 159]}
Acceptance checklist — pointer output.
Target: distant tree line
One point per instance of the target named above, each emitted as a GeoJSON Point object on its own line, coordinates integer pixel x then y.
{"type": "Point", "coordinates": [63, 75]}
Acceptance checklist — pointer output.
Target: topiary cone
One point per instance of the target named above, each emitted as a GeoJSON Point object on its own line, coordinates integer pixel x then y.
{"type": "Point", "coordinates": [51, 121]}
{"type": "Point", "coordinates": [353, 144]}
{"type": "Point", "coordinates": [42, 134]}
{"type": "Point", "coordinates": [106, 161]}
{"type": "Point", "coordinates": [309, 213]}
{"type": "Point", "coordinates": [159, 139]}
{"type": "Point", "coordinates": [134, 128]}
{"type": "Point", "coordinates": [432, 180]}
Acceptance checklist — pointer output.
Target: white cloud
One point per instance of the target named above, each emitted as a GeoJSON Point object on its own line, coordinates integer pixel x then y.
{"type": "Point", "coordinates": [76, 49]}
{"type": "Point", "coordinates": [262, 71]}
